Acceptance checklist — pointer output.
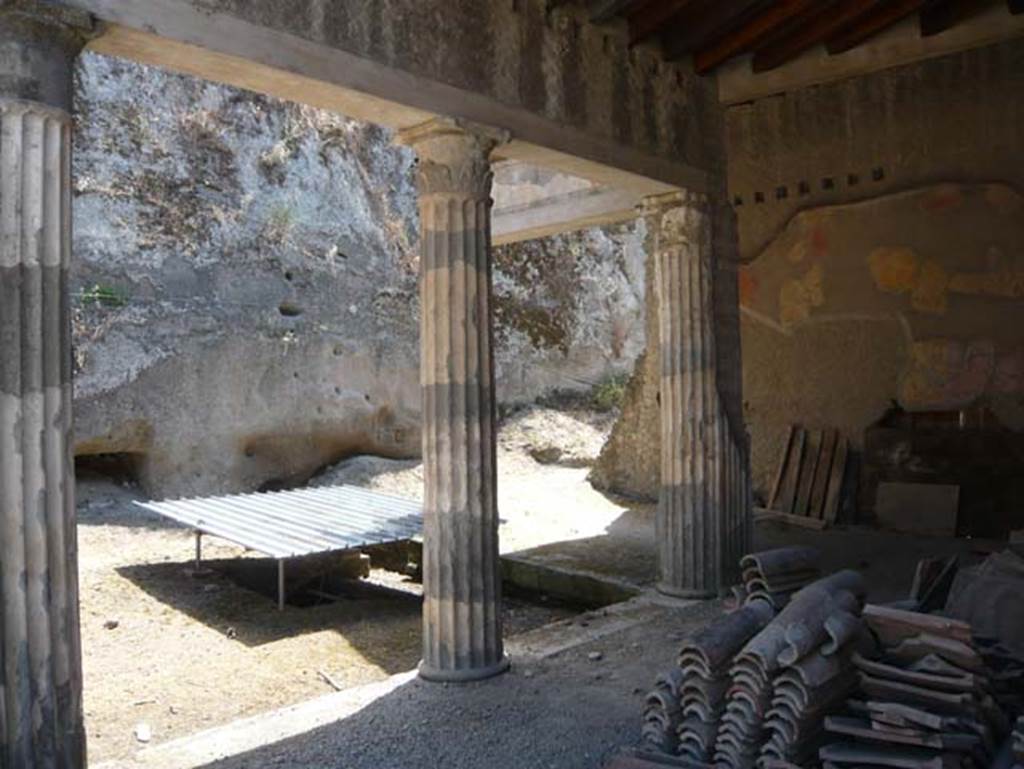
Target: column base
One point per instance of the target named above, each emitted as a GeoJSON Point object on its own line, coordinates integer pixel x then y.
{"type": "Point", "coordinates": [684, 592]}
{"type": "Point", "coordinates": [435, 675]}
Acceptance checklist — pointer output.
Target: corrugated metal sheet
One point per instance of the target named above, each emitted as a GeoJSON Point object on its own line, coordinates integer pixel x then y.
{"type": "Point", "coordinates": [284, 524]}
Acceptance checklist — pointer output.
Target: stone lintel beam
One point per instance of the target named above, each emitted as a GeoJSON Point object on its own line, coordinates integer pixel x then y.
{"type": "Point", "coordinates": [568, 212]}
{"type": "Point", "coordinates": [40, 674]}
{"type": "Point", "coordinates": [217, 43]}
{"type": "Point", "coordinates": [462, 633]}
{"type": "Point", "coordinates": [689, 520]}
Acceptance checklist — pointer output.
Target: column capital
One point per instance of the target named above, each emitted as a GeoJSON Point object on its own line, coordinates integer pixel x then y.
{"type": "Point", "coordinates": [454, 156]}
{"type": "Point", "coordinates": [676, 217]}
{"type": "Point", "coordinates": [38, 45]}
{"type": "Point", "coordinates": [51, 11]}
{"type": "Point", "coordinates": [653, 205]}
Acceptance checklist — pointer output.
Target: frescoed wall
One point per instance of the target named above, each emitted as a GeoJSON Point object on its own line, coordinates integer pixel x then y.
{"type": "Point", "coordinates": [914, 298]}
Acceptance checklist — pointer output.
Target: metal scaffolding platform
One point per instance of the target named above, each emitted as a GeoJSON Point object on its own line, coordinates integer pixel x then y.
{"type": "Point", "coordinates": [289, 524]}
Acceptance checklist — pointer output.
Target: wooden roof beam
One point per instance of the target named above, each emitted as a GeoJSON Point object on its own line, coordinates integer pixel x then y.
{"type": "Point", "coordinates": [819, 27]}
{"type": "Point", "coordinates": [647, 20]}
{"type": "Point", "coordinates": [872, 23]}
{"type": "Point", "coordinates": [750, 34]}
{"type": "Point", "coordinates": [707, 23]}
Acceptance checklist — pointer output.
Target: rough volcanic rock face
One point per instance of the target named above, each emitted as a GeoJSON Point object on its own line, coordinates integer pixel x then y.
{"type": "Point", "coordinates": [245, 296]}
{"type": "Point", "coordinates": [568, 310]}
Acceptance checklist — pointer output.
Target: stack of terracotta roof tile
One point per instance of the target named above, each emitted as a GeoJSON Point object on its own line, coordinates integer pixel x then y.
{"type": "Point", "coordinates": [924, 700]}
{"type": "Point", "coordinates": [1018, 743]}
{"type": "Point", "coordinates": [805, 693]}
{"type": "Point", "coordinates": [1005, 672]}
{"type": "Point", "coordinates": [821, 615]}
{"type": "Point", "coordinates": [775, 575]}
{"type": "Point", "coordinates": [663, 713]}
{"type": "Point", "coordinates": [705, 660]}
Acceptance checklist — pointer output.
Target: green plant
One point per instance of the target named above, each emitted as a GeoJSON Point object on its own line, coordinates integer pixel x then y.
{"type": "Point", "coordinates": [99, 295]}
{"type": "Point", "coordinates": [609, 393]}
{"type": "Point", "coordinates": [279, 224]}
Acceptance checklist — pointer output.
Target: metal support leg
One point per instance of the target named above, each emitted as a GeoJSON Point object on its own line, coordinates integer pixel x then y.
{"type": "Point", "coordinates": [280, 584]}
{"type": "Point", "coordinates": [199, 550]}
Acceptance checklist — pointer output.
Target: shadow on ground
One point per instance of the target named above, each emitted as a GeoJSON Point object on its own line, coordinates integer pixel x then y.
{"type": "Point", "coordinates": [887, 559]}
{"type": "Point", "coordinates": [237, 597]}
{"type": "Point", "coordinates": [627, 551]}
{"type": "Point", "coordinates": [569, 711]}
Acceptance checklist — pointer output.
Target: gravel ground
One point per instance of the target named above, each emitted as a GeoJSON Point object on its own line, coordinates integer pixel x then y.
{"type": "Point", "coordinates": [564, 712]}
{"type": "Point", "coordinates": [180, 651]}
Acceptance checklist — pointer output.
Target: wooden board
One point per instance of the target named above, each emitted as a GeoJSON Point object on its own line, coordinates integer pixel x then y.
{"type": "Point", "coordinates": [761, 514]}
{"type": "Point", "coordinates": [781, 472]}
{"type": "Point", "coordinates": [835, 482]}
{"type": "Point", "coordinates": [918, 508]}
{"type": "Point", "coordinates": [809, 479]}
{"type": "Point", "coordinates": [819, 486]}
{"type": "Point", "coordinates": [894, 625]}
{"type": "Point", "coordinates": [812, 455]}
{"type": "Point", "coordinates": [787, 495]}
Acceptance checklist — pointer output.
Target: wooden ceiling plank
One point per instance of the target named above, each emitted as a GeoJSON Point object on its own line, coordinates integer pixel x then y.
{"type": "Point", "coordinates": [871, 24]}
{"type": "Point", "coordinates": [712, 21]}
{"type": "Point", "coordinates": [940, 15]}
{"type": "Point", "coordinates": [647, 20]}
{"type": "Point", "coordinates": [819, 27]}
{"type": "Point", "coordinates": [745, 38]}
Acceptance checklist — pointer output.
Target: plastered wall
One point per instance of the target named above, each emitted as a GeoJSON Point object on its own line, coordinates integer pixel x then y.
{"type": "Point", "coordinates": [881, 225]}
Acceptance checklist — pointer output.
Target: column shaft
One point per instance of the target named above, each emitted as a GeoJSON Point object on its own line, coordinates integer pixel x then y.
{"type": "Point", "coordinates": [701, 507]}
{"type": "Point", "coordinates": [40, 655]}
{"type": "Point", "coordinates": [41, 703]}
{"type": "Point", "coordinates": [462, 633]}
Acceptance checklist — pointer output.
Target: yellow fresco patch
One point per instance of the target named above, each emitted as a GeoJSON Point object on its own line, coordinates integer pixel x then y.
{"type": "Point", "coordinates": [814, 284]}
{"type": "Point", "coordinates": [799, 296]}
{"type": "Point", "coordinates": [1004, 278]}
{"type": "Point", "coordinates": [1005, 284]}
{"type": "Point", "coordinates": [798, 252]}
{"type": "Point", "coordinates": [975, 283]}
{"type": "Point", "coordinates": [929, 292]}
{"type": "Point", "coordinates": [793, 305]}
{"type": "Point", "coordinates": [894, 268]}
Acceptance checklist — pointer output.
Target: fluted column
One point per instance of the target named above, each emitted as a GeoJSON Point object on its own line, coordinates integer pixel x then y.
{"type": "Point", "coordinates": [462, 638]}
{"type": "Point", "coordinates": [40, 672]}
{"type": "Point", "coordinates": [696, 502]}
